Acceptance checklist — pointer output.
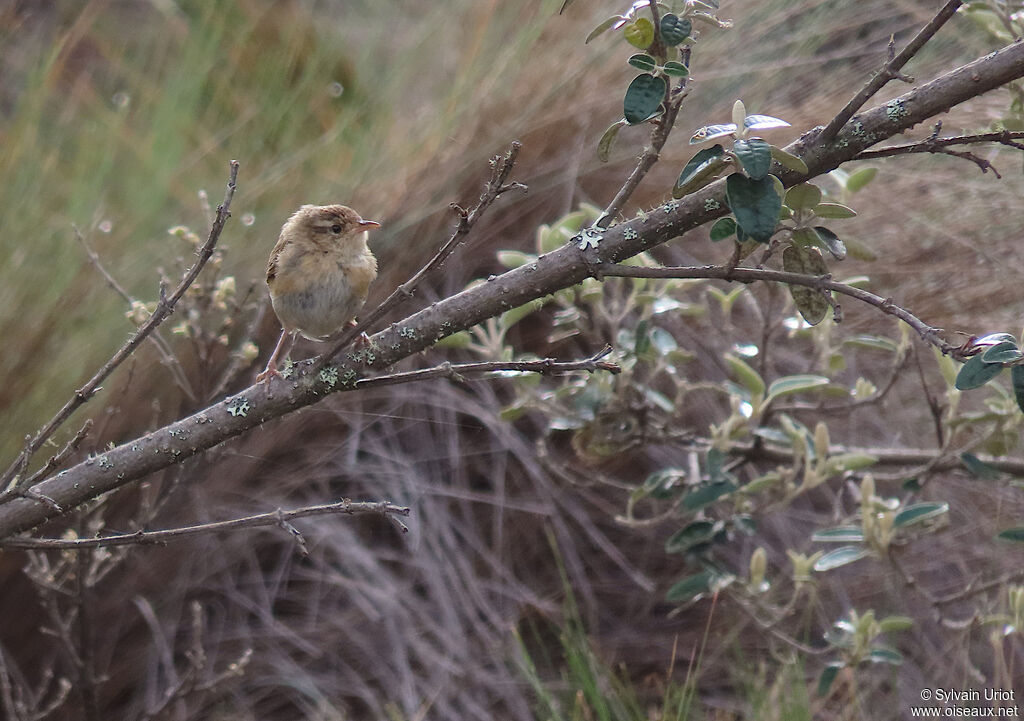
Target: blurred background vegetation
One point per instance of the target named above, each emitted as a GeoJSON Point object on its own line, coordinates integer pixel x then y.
{"type": "Point", "coordinates": [116, 115]}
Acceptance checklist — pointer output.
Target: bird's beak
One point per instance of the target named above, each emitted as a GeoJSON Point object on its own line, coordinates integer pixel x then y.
{"type": "Point", "coordinates": [368, 224]}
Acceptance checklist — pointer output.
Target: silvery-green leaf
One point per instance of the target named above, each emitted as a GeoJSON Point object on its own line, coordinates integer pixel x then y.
{"type": "Point", "coordinates": [788, 160]}
{"type": "Point", "coordinates": [763, 122]}
{"type": "Point", "coordinates": [834, 210]}
{"type": "Point", "coordinates": [710, 132]}
{"type": "Point", "coordinates": [831, 242]}
{"type": "Point", "coordinates": [604, 145]}
{"type": "Point", "coordinates": [676, 69]}
{"type": "Point", "coordinates": [611, 23]}
{"type": "Point", "coordinates": [643, 98]}
{"type": "Point", "coordinates": [642, 61]}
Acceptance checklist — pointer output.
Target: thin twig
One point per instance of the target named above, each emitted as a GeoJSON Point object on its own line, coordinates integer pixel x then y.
{"type": "Point", "coordinates": [890, 71]}
{"type": "Point", "coordinates": [457, 371]}
{"type": "Point", "coordinates": [163, 348]}
{"type": "Point", "coordinates": [272, 518]}
{"type": "Point", "coordinates": [822, 283]}
{"type": "Point", "coordinates": [164, 308]}
{"type": "Point", "coordinates": [941, 145]}
{"type": "Point", "coordinates": [501, 168]}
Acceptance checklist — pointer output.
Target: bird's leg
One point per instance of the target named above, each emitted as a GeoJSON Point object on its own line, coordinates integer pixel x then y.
{"type": "Point", "coordinates": [271, 369]}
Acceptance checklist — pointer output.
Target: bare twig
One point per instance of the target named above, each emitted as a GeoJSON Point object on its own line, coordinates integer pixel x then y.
{"type": "Point", "coordinates": [890, 71]}
{"type": "Point", "coordinates": [458, 371]}
{"type": "Point", "coordinates": [273, 518]}
{"type": "Point", "coordinates": [935, 144]}
{"type": "Point", "coordinates": [501, 168]}
{"type": "Point", "coordinates": [164, 308]}
{"type": "Point", "coordinates": [163, 348]}
{"type": "Point", "coordinates": [822, 283]}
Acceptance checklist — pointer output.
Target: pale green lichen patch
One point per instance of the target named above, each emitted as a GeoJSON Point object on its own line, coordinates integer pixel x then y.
{"type": "Point", "coordinates": [896, 110]}
{"type": "Point", "coordinates": [711, 204]}
{"type": "Point", "coordinates": [329, 375]}
{"type": "Point", "coordinates": [238, 406]}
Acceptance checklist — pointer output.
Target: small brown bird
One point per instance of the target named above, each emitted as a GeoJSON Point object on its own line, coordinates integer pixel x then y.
{"type": "Point", "coordinates": [319, 274]}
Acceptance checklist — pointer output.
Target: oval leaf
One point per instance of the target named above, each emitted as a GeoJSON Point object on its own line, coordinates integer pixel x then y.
{"type": "Point", "coordinates": [840, 557]}
{"type": "Point", "coordinates": [690, 587]}
{"type": "Point", "coordinates": [1005, 352]}
{"type": "Point", "coordinates": [834, 210]}
{"type": "Point", "coordinates": [885, 655]}
{"type": "Point", "coordinates": [830, 241]}
{"type": "Point", "coordinates": [746, 375]}
{"type": "Point", "coordinates": [693, 534]}
{"type": "Point", "coordinates": [812, 304]}
{"type": "Point", "coordinates": [675, 29]}
{"type": "Point", "coordinates": [796, 384]}
{"type": "Point", "coordinates": [976, 373]}
{"type": "Point", "coordinates": [788, 160]}
{"type": "Point", "coordinates": [642, 61]}
{"type": "Point", "coordinates": [919, 512]}
{"type": "Point", "coordinates": [763, 122]}
{"type": "Point", "coordinates": [860, 178]}
{"type": "Point", "coordinates": [803, 196]}
{"type": "Point", "coordinates": [604, 27]}
{"type": "Point", "coordinates": [707, 495]}
{"type": "Point", "coordinates": [604, 145]}
{"type": "Point", "coordinates": [828, 675]}
{"type": "Point", "coordinates": [890, 624]}
{"type": "Point", "coordinates": [710, 132]}
{"type": "Point", "coordinates": [639, 33]}
{"type": "Point", "coordinates": [840, 534]}
{"type": "Point", "coordinates": [755, 204]}
{"type": "Point", "coordinates": [980, 469]}
{"type": "Point", "coordinates": [755, 156]}
{"type": "Point", "coordinates": [676, 69]}
{"type": "Point", "coordinates": [722, 229]}
{"type": "Point", "coordinates": [643, 98]}
{"type": "Point", "coordinates": [700, 167]}
{"type": "Point", "coordinates": [1013, 534]}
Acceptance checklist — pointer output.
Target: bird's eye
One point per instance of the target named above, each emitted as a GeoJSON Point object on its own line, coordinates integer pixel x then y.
{"type": "Point", "coordinates": [335, 228]}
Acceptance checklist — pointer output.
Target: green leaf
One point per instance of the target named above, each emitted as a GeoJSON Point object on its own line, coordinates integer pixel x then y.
{"type": "Point", "coordinates": [788, 160]}
{"type": "Point", "coordinates": [746, 375]}
{"type": "Point", "coordinates": [514, 258]}
{"type": "Point", "coordinates": [690, 587]}
{"type": "Point", "coordinates": [710, 132]}
{"type": "Point", "coordinates": [639, 33]}
{"type": "Point", "coordinates": [755, 204]}
{"type": "Point", "coordinates": [834, 210]}
{"type": "Point", "coordinates": [919, 512]}
{"type": "Point", "coordinates": [804, 196]}
{"type": "Point", "coordinates": [828, 675]}
{"type": "Point", "coordinates": [715, 462]}
{"type": "Point", "coordinates": [461, 339]}
{"type": "Point", "coordinates": [811, 303]}
{"type": "Point", "coordinates": [755, 156]}
{"type": "Point", "coordinates": [840, 557]}
{"type": "Point", "coordinates": [891, 624]}
{"type": "Point", "coordinates": [675, 29]}
{"type": "Point", "coordinates": [875, 342]}
{"type": "Point", "coordinates": [512, 316]}
{"type": "Point", "coordinates": [643, 61]}
{"type": "Point", "coordinates": [676, 69]}
{"type": "Point", "coordinates": [980, 469]}
{"type": "Point", "coordinates": [722, 229]}
{"type": "Point", "coordinates": [852, 461]}
{"type": "Point", "coordinates": [604, 27]}
{"type": "Point", "coordinates": [831, 241]}
{"type": "Point", "coordinates": [1005, 352]}
{"type": "Point", "coordinates": [840, 534]}
{"type": "Point", "coordinates": [643, 98]}
{"type": "Point", "coordinates": [885, 655]}
{"type": "Point", "coordinates": [707, 495]}
{"type": "Point", "coordinates": [738, 113]}
{"type": "Point", "coordinates": [976, 373]}
{"type": "Point", "coordinates": [1012, 534]}
{"type": "Point", "coordinates": [763, 122]}
{"type": "Point", "coordinates": [604, 145]}
{"type": "Point", "coordinates": [860, 178]}
{"type": "Point", "coordinates": [1017, 378]}
{"type": "Point", "coordinates": [693, 534]}
{"type": "Point", "coordinates": [699, 169]}
{"type": "Point", "coordinates": [795, 384]}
